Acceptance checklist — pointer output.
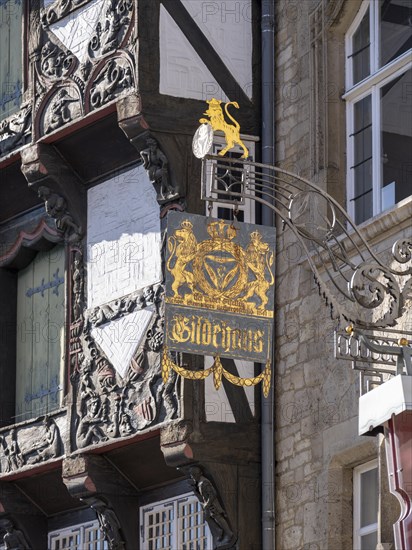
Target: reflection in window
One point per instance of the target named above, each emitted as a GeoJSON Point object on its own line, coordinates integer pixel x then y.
{"type": "Point", "coordinates": [361, 50]}
{"type": "Point", "coordinates": [176, 523]}
{"type": "Point", "coordinates": [362, 168]}
{"type": "Point", "coordinates": [395, 29]}
{"type": "Point", "coordinates": [365, 506]}
{"type": "Point", "coordinates": [396, 117]}
{"type": "Point", "coordinates": [379, 104]}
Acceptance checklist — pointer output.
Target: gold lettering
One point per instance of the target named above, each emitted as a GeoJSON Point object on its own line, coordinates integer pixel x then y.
{"type": "Point", "coordinates": [258, 341]}
{"type": "Point", "coordinates": [206, 332]}
{"type": "Point", "coordinates": [216, 330]}
{"type": "Point", "coordinates": [180, 331]}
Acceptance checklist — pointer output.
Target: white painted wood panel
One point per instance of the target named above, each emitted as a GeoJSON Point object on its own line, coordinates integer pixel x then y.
{"type": "Point", "coordinates": [182, 71]}
{"type": "Point", "coordinates": [123, 237]}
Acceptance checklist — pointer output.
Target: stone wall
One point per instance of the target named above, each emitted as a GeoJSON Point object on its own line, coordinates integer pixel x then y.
{"type": "Point", "coordinates": [316, 396]}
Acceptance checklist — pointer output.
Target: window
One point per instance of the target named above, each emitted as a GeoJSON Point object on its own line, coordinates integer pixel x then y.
{"type": "Point", "coordinates": [40, 334]}
{"type": "Point", "coordinates": [379, 107]}
{"type": "Point", "coordinates": [11, 41]}
{"type": "Point", "coordinates": [365, 506]}
{"type": "Point", "coordinates": [172, 524]}
{"type": "Point", "coordinates": [224, 211]}
{"type": "Point", "coordinates": [78, 537]}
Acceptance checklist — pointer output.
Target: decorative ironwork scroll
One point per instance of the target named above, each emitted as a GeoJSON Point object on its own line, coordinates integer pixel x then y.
{"type": "Point", "coordinates": [358, 286]}
{"type": "Point", "coordinates": [219, 295]}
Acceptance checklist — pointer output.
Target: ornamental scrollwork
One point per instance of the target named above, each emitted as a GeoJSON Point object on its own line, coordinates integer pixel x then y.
{"type": "Point", "coordinates": [54, 62]}
{"type": "Point", "coordinates": [15, 131]}
{"type": "Point", "coordinates": [76, 73]}
{"type": "Point", "coordinates": [112, 403]}
{"type": "Point", "coordinates": [32, 444]}
{"type": "Point", "coordinates": [112, 28]}
{"type": "Point", "coordinates": [358, 285]}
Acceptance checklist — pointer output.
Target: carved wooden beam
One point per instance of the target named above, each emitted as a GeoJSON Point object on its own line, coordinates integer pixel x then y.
{"type": "Point", "coordinates": [20, 520]}
{"type": "Point", "coordinates": [44, 168]}
{"type": "Point", "coordinates": [96, 483]}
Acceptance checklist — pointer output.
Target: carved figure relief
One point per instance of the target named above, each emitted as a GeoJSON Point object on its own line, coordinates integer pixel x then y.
{"type": "Point", "coordinates": [56, 207]}
{"type": "Point", "coordinates": [116, 77]}
{"type": "Point", "coordinates": [77, 69]}
{"type": "Point", "coordinates": [60, 111]}
{"type": "Point", "coordinates": [14, 539]}
{"type": "Point", "coordinates": [16, 130]}
{"type": "Point", "coordinates": [30, 445]}
{"type": "Point", "coordinates": [157, 166]}
{"type": "Point", "coordinates": [108, 522]}
{"type": "Point", "coordinates": [109, 405]}
{"type": "Point", "coordinates": [111, 28]}
{"type": "Point", "coordinates": [215, 514]}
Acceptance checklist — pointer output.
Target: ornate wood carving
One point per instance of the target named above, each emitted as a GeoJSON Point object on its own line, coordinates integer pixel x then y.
{"type": "Point", "coordinates": [157, 166]}
{"type": "Point", "coordinates": [56, 208]}
{"type": "Point", "coordinates": [108, 405]}
{"type": "Point", "coordinates": [15, 131]}
{"type": "Point", "coordinates": [27, 244]}
{"type": "Point", "coordinates": [13, 539]}
{"type": "Point", "coordinates": [30, 444]}
{"type": "Point", "coordinates": [215, 513]}
{"type": "Point", "coordinates": [69, 84]}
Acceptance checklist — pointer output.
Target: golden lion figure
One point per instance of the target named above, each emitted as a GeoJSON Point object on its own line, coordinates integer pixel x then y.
{"type": "Point", "coordinates": [182, 246]}
{"type": "Point", "coordinates": [259, 258]}
{"type": "Point", "coordinates": [217, 122]}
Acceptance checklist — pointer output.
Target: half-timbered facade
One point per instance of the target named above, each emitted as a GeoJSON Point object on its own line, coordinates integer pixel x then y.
{"type": "Point", "coordinates": [99, 103]}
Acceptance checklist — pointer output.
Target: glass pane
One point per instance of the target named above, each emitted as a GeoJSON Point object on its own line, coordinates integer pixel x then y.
{"type": "Point", "coordinates": [361, 50]}
{"type": "Point", "coordinates": [369, 498]}
{"type": "Point", "coordinates": [396, 116]}
{"type": "Point", "coordinates": [362, 167]}
{"type": "Point", "coordinates": [369, 542]}
{"type": "Point", "coordinates": [11, 56]}
{"type": "Point", "coordinates": [395, 29]}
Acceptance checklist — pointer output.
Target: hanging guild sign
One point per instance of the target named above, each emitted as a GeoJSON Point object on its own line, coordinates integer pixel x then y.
{"type": "Point", "coordinates": [219, 294]}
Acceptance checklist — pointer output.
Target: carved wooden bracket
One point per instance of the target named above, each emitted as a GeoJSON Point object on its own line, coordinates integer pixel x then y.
{"type": "Point", "coordinates": [49, 175]}
{"type": "Point", "coordinates": [93, 480]}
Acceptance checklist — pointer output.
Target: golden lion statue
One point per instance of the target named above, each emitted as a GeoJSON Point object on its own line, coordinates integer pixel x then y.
{"type": "Point", "coordinates": [217, 122]}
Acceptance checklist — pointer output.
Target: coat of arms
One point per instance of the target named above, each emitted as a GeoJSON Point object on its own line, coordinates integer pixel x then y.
{"type": "Point", "coordinates": [219, 292]}
{"type": "Point", "coordinates": [218, 272]}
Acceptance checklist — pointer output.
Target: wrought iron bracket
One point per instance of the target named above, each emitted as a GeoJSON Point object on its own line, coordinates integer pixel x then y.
{"type": "Point", "coordinates": [356, 284]}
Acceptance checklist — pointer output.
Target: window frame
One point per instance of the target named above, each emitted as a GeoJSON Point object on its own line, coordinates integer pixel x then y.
{"type": "Point", "coordinates": [359, 531]}
{"type": "Point", "coordinates": [371, 85]}
{"type": "Point", "coordinates": [249, 208]}
{"type": "Point", "coordinates": [161, 504]}
{"type": "Point", "coordinates": [24, 61]}
{"type": "Point", "coordinates": [81, 529]}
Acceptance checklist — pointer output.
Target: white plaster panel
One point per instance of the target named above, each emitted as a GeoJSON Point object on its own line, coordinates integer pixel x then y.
{"type": "Point", "coordinates": [120, 338]}
{"type": "Point", "coordinates": [182, 71]}
{"type": "Point", "coordinates": [76, 29]}
{"type": "Point", "coordinates": [228, 27]}
{"type": "Point", "coordinates": [217, 406]}
{"type": "Point", "coordinates": [123, 237]}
